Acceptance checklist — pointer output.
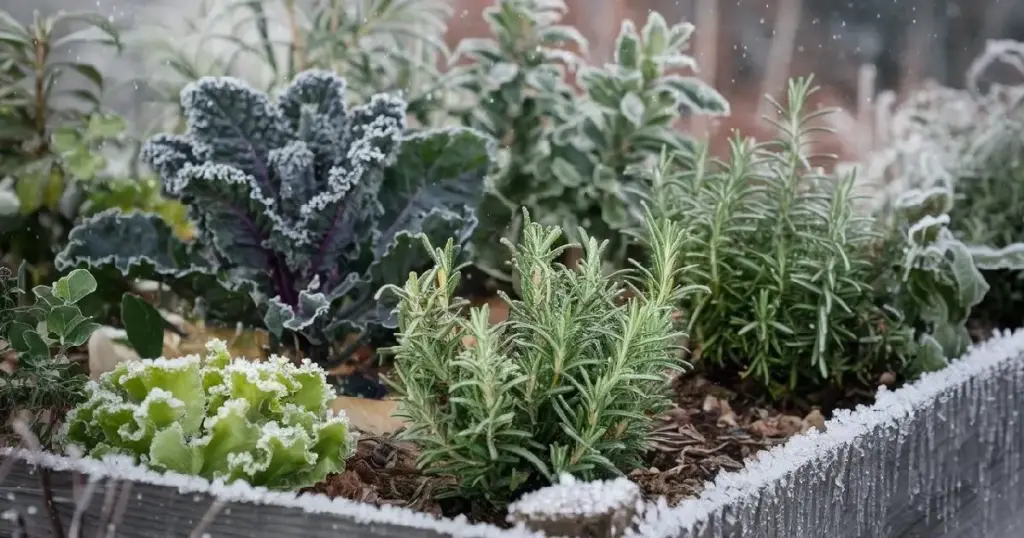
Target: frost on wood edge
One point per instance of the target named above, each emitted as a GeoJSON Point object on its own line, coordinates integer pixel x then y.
{"type": "Point", "coordinates": [571, 497]}
{"type": "Point", "coordinates": [774, 465]}
{"type": "Point", "coordinates": [122, 468]}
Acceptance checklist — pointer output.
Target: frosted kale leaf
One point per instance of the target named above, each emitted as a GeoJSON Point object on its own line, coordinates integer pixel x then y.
{"type": "Point", "coordinates": [306, 205]}
{"type": "Point", "coordinates": [267, 423]}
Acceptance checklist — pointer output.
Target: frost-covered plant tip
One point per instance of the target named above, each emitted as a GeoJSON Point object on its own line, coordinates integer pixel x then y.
{"type": "Point", "coordinates": [267, 423]}
{"type": "Point", "coordinates": [304, 204]}
{"type": "Point", "coordinates": [800, 284]}
{"type": "Point", "coordinates": [569, 383]}
{"type": "Point", "coordinates": [566, 149]}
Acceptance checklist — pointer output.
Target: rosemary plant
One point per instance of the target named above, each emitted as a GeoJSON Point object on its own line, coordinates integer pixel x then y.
{"type": "Point", "coordinates": [568, 384]}
{"type": "Point", "coordinates": [789, 265]}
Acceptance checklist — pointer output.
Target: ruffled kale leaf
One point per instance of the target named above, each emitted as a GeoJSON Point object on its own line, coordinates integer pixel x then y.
{"type": "Point", "coordinates": [302, 204]}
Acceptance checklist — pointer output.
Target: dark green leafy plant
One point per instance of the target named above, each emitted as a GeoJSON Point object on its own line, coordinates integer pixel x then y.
{"type": "Point", "coordinates": [567, 150]}
{"type": "Point", "coordinates": [303, 207]}
{"type": "Point", "coordinates": [39, 103]}
{"type": "Point", "coordinates": [568, 384]}
{"type": "Point", "coordinates": [144, 326]}
{"type": "Point", "coordinates": [44, 383]}
{"type": "Point", "coordinates": [801, 285]}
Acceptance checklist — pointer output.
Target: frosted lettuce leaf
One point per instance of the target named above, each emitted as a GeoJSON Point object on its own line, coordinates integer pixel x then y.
{"type": "Point", "coordinates": [268, 423]}
{"type": "Point", "coordinates": [303, 206]}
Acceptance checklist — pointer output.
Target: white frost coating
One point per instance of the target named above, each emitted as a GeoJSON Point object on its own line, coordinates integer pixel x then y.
{"type": "Point", "coordinates": [122, 468]}
{"type": "Point", "coordinates": [777, 470]}
{"type": "Point", "coordinates": [571, 498]}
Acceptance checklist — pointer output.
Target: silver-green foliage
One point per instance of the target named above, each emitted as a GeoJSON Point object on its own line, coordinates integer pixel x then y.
{"type": "Point", "coordinates": [566, 149]}
{"type": "Point", "coordinates": [569, 383]}
{"type": "Point", "coordinates": [936, 284]}
{"type": "Point", "coordinates": [267, 423]}
{"type": "Point", "coordinates": [963, 151]}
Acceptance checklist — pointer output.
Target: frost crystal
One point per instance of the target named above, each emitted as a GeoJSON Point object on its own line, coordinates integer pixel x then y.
{"type": "Point", "coordinates": [573, 508]}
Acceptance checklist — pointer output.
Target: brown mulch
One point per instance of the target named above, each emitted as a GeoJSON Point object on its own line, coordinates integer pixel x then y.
{"type": "Point", "coordinates": [709, 430]}
{"type": "Point", "coordinates": [382, 472]}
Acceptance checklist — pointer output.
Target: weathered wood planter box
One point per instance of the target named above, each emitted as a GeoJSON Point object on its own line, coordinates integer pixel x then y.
{"type": "Point", "coordinates": [940, 457]}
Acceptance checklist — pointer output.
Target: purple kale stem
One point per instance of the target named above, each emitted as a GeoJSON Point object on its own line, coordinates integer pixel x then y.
{"type": "Point", "coordinates": [280, 275]}
{"type": "Point", "coordinates": [284, 278]}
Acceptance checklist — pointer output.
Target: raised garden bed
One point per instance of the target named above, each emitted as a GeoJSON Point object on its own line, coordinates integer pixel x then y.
{"type": "Point", "coordinates": [938, 457]}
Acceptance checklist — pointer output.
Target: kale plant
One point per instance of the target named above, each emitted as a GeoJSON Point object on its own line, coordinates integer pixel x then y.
{"type": "Point", "coordinates": [566, 150]}
{"type": "Point", "coordinates": [303, 207]}
{"type": "Point", "coordinates": [570, 383]}
{"type": "Point", "coordinates": [40, 333]}
{"type": "Point", "coordinates": [805, 293]}
{"type": "Point", "coordinates": [267, 423]}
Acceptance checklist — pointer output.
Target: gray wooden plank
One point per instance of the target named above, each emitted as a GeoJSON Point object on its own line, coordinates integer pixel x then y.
{"type": "Point", "coordinates": [140, 509]}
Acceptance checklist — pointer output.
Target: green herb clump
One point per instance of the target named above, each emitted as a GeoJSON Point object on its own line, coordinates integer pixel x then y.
{"type": "Point", "coordinates": [39, 105]}
{"type": "Point", "coordinates": [267, 423]}
{"type": "Point", "coordinates": [804, 289]}
{"type": "Point", "coordinates": [45, 382]}
{"type": "Point", "coordinates": [569, 383]}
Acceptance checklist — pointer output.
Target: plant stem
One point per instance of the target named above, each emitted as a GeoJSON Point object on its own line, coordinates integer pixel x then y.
{"type": "Point", "coordinates": [40, 93]}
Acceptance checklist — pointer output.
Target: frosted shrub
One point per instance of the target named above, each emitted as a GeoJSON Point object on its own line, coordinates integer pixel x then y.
{"type": "Point", "coordinates": [267, 423]}
{"type": "Point", "coordinates": [962, 151]}
{"type": "Point", "coordinates": [568, 384]}
{"type": "Point", "coordinates": [568, 129]}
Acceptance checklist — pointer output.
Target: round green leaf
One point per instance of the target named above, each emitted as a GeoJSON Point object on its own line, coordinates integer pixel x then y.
{"type": "Point", "coordinates": [76, 285]}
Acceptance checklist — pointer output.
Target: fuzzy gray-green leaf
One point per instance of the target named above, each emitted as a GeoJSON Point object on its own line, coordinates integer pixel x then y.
{"type": "Point", "coordinates": [75, 286]}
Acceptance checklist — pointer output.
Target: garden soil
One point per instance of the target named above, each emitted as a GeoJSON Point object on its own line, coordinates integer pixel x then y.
{"type": "Point", "coordinates": [709, 430]}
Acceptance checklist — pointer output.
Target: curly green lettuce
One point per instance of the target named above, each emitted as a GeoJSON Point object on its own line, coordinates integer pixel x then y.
{"type": "Point", "coordinates": [267, 423]}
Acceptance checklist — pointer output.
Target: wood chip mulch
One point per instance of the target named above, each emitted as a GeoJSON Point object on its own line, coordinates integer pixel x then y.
{"type": "Point", "coordinates": [708, 431]}
{"type": "Point", "coordinates": [704, 434]}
